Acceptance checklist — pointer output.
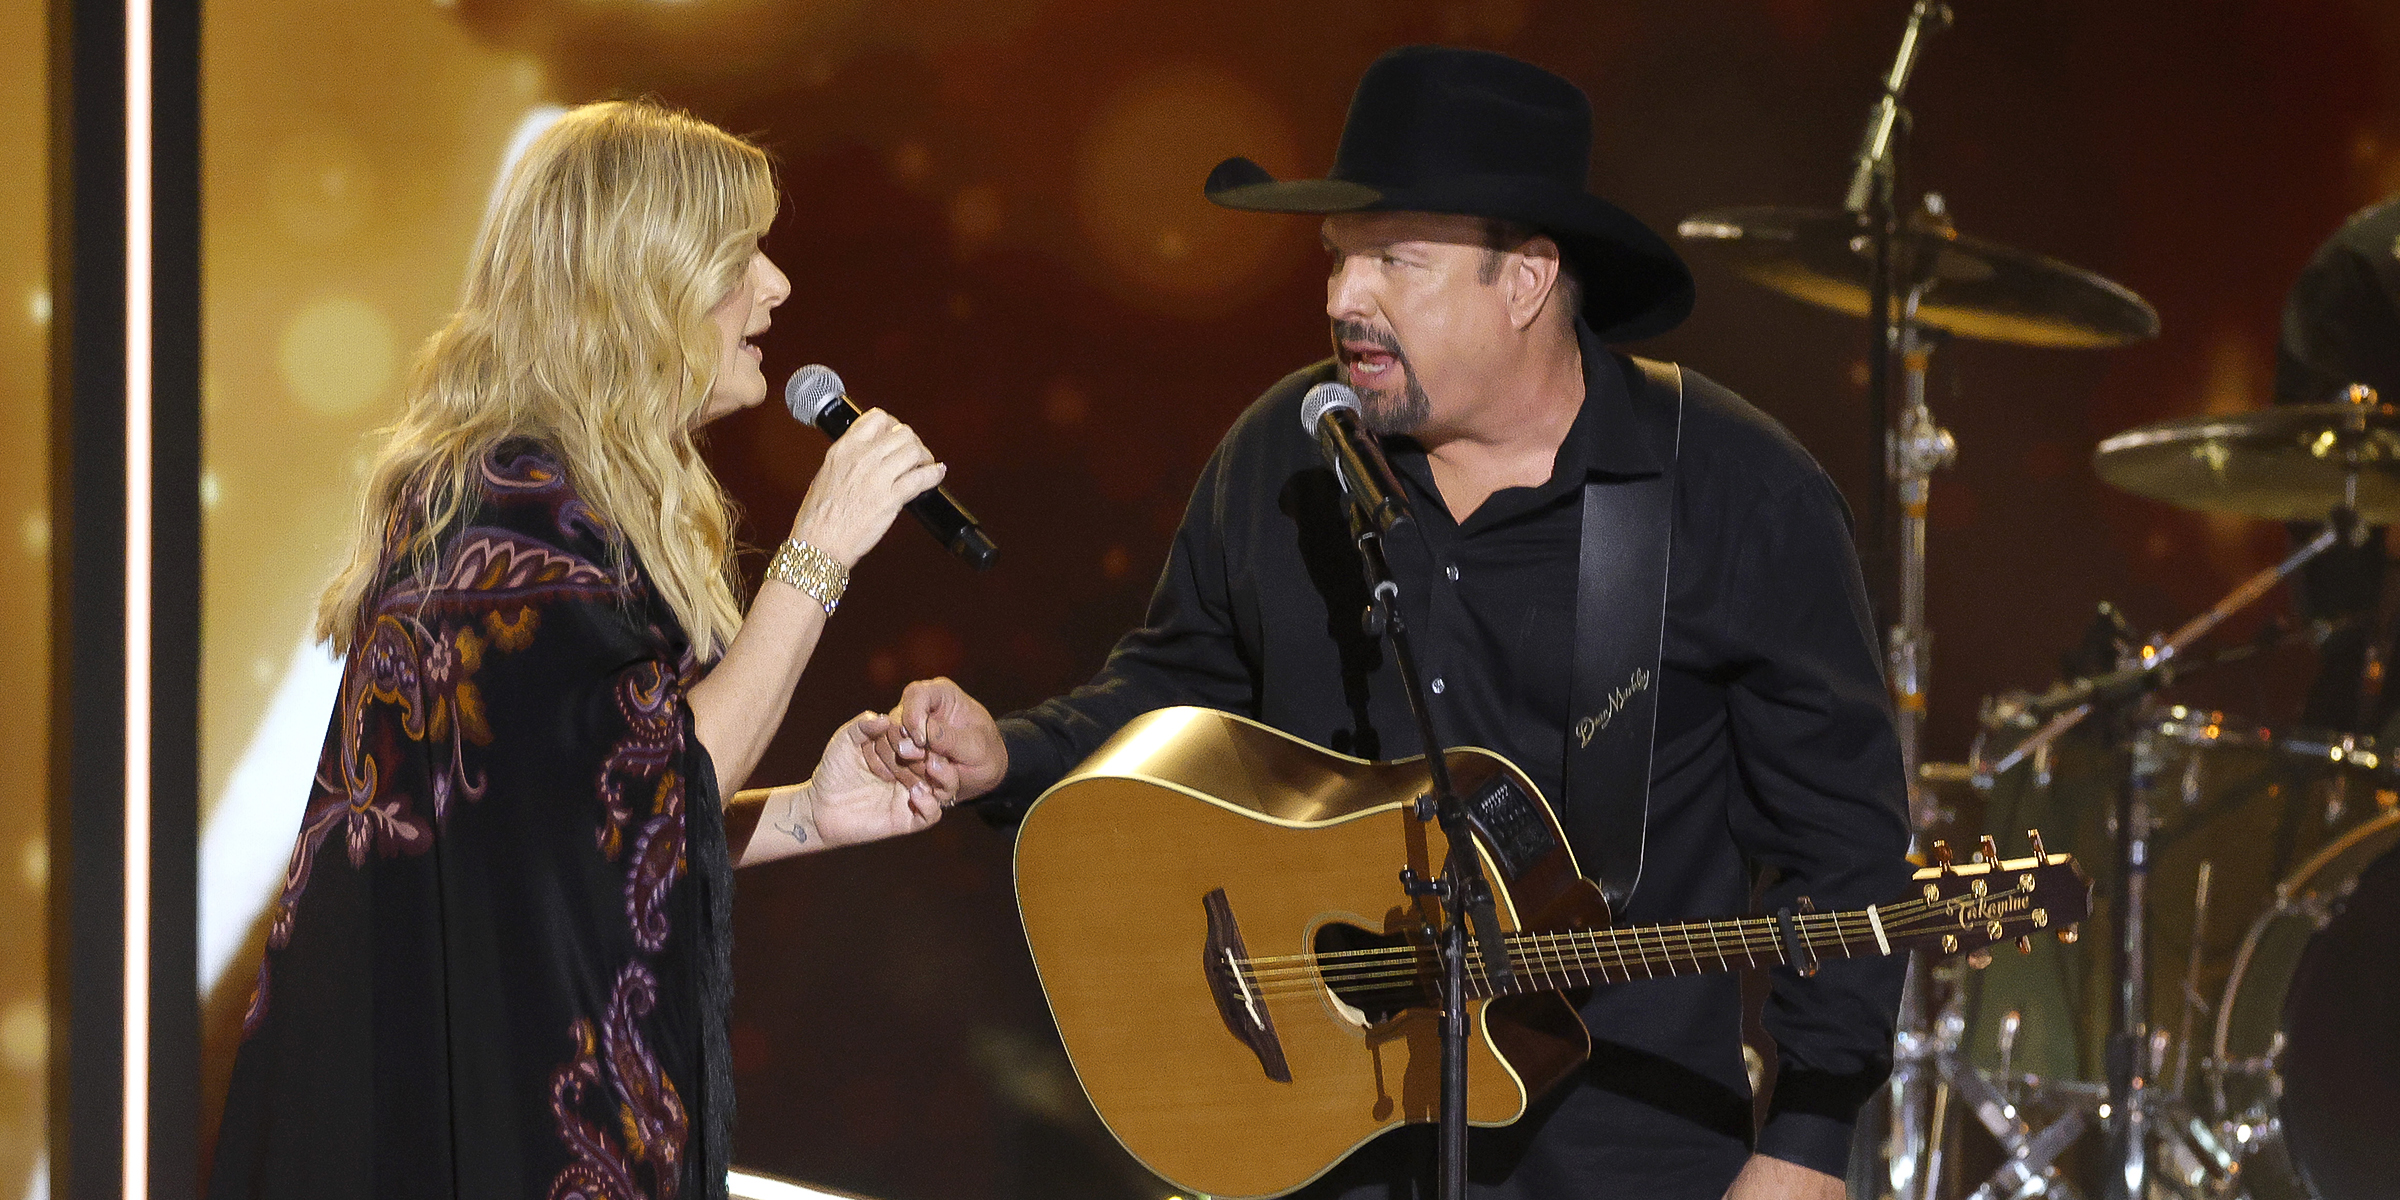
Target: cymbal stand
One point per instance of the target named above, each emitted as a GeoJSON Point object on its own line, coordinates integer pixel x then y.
{"type": "Point", "coordinates": [1915, 448]}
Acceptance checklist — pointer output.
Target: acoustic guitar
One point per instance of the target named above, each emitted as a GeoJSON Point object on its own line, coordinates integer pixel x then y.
{"type": "Point", "coordinates": [1246, 990]}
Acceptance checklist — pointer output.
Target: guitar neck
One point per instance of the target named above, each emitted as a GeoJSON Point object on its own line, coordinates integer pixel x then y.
{"type": "Point", "coordinates": [1581, 958]}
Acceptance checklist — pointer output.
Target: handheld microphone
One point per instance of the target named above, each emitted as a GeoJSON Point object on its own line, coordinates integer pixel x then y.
{"type": "Point", "coordinates": [1330, 414]}
{"type": "Point", "coordinates": [816, 397]}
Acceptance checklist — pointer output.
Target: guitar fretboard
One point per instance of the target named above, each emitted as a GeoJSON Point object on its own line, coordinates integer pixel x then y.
{"type": "Point", "coordinates": [1552, 961]}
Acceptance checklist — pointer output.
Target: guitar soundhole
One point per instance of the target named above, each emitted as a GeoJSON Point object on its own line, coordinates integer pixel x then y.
{"type": "Point", "coordinates": [1373, 976]}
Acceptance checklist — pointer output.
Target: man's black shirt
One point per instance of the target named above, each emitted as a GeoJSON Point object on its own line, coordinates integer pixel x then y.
{"type": "Point", "coordinates": [1774, 752]}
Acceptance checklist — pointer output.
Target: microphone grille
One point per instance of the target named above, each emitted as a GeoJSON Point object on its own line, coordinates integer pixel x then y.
{"type": "Point", "coordinates": [812, 390]}
{"type": "Point", "coordinates": [1324, 398]}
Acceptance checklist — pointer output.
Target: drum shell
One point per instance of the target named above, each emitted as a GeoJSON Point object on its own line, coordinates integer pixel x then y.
{"type": "Point", "coordinates": [2306, 1045]}
{"type": "Point", "coordinates": [2235, 797]}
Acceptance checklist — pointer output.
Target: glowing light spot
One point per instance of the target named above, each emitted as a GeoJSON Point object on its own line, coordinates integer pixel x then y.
{"type": "Point", "coordinates": [33, 864]}
{"type": "Point", "coordinates": [320, 185]}
{"type": "Point", "coordinates": [1064, 404]}
{"type": "Point", "coordinates": [338, 355]}
{"type": "Point", "coordinates": [1137, 190]}
{"type": "Point", "coordinates": [911, 162]}
{"type": "Point", "coordinates": [37, 306]}
{"type": "Point", "coordinates": [975, 217]}
{"type": "Point", "coordinates": [34, 533]}
{"type": "Point", "coordinates": [211, 489]}
{"type": "Point", "coordinates": [24, 1036]}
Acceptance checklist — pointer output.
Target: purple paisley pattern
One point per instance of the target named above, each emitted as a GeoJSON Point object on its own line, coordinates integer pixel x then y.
{"type": "Point", "coordinates": [648, 700]}
{"type": "Point", "coordinates": [614, 1069]}
{"type": "Point", "coordinates": [411, 734]}
{"type": "Point", "coordinates": [504, 790]}
{"type": "Point", "coordinates": [419, 659]}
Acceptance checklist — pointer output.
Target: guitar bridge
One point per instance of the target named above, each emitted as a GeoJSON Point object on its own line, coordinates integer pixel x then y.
{"type": "Point", "coordinates": [1224, 961]}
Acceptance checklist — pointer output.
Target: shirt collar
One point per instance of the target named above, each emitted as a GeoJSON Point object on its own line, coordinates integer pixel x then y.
{"type": "Point", "coordinates": [1605, 439]}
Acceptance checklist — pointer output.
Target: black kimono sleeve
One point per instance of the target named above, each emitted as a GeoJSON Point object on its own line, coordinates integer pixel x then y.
{"type": "Point", "coordinates": [494, 969]}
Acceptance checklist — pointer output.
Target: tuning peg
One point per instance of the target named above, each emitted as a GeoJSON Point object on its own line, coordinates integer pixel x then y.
{"type": "Point", "coordinates": [2035, 836]}
{"type": "Point", "coordinates": [2024, 943]}
{"type": "Point", "coordinates": [1989, 852]}
{"type": "Point", "coordinates": [1980, 959]}
{"type": "Point", "coordinates": [1941, 854]}
{"type": "Point", "coordinates": [2067, 936]}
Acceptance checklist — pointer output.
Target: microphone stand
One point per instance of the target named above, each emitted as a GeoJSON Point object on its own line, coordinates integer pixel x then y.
{"type": "Point", "coordinates": [1462, 889]}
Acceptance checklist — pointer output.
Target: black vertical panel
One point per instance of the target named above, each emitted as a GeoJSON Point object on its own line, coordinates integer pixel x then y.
{"type": "Point", "coordinates": [87, 643]}
{"type": "Point", "coordinates": [87, 607]}
{"type": "Point", "coordinates": [175, 602]}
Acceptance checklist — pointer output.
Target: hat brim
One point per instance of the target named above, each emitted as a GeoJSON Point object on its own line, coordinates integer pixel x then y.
{"type": "Point", "coordinates": [1634, 284]}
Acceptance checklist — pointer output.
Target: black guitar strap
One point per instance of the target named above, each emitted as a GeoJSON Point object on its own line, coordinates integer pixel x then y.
{"type": "Point", "coordinates": [1620, 634]}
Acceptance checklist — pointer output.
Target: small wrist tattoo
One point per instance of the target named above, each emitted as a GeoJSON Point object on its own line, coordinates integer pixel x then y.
{"type": "Point", "coordinates": [790, 824]}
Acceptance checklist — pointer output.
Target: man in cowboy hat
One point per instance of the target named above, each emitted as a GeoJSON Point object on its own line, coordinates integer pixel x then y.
{"type": "Point", "coordinates": [1475, 287]}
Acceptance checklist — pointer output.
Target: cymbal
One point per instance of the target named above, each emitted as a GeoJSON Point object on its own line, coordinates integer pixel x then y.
{"type": "Point", "coordinates": [2290, 463]}
{"type": "Point", "coordinates": [1979, 289]}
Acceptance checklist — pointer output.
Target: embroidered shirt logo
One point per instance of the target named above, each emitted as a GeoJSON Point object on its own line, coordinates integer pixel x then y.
{"type": "Point", "coordinates": [1590, 726]}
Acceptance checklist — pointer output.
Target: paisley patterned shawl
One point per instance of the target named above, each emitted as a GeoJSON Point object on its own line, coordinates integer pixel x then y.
{"type": "Point", "coordinates": [498, 962]}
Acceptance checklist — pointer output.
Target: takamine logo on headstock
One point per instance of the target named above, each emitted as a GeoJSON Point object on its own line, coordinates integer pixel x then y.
{"type": "Point", "coordinates": [1966, 907]}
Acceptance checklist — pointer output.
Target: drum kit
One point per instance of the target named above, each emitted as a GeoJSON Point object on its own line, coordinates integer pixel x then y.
{"type": "Point", "coordinates": [2253, 868]}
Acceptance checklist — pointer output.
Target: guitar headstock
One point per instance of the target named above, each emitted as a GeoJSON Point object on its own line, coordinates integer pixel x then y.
{"type": "Point", "coordinates": [1964, 908]}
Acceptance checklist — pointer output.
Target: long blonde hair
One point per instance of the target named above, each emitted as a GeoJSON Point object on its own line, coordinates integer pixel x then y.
{"type": "Point", "coordinates": [584, 324]}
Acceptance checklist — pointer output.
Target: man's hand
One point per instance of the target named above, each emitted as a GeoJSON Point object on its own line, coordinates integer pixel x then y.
{"type": "Point", "coordinates": [941, 738]}
{"type": "Point", "coordinates": [1769, 1178]}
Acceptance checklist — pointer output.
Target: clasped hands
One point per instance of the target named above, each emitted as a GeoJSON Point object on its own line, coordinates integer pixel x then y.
{"type": "Point", "coordinates": [885, 774]}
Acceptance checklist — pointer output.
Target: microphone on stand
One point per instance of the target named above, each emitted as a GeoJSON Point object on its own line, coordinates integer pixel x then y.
{"type": "Point", "coordinates": [816, 397]}
{"type": "Point", "coordinates": [1927, 18]}
{"type": "Point", "coordinates": [1330, 413]}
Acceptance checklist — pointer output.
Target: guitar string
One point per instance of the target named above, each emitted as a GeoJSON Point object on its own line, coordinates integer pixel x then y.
{"type": "Point", "coordinates": [1859, 922]}
{"type": "Point", "coordinates": [1844, 925]}
{"type": "Point", "coordinates": [1851, 923]}
{"type": "Point", "coordinates": [1755, 932]}
{"type": "Point", "coordinates": [1575, 968]}
{"type": "Point", "coordinates": [1579, 952]}
{"type": "Point", "coordinates": [1554, 965]}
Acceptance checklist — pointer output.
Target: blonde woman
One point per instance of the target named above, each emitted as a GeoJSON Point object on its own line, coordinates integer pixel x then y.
{"type": "Point", "coordinates": [498, 966]}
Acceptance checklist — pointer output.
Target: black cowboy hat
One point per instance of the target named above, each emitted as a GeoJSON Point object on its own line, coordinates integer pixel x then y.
{"type": "Point", "coordinates": [1470, 132]}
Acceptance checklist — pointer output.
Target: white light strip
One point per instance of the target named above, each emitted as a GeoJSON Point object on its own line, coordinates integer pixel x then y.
{"type": "Point", "coordinates": [137, 598]}
{"type": "Point", "coordinates": [750, 1185]}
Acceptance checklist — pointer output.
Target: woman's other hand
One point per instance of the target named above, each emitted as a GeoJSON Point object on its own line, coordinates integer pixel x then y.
{"type": "Point", "coordinates": [869, 472]}
{"type": "Point", "coordinates": [843, 804]}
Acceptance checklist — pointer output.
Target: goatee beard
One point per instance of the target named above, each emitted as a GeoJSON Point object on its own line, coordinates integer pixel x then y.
{"type": "Point", "coordinates": [1383, 413]}
{"type": "Point", "coordinates": [1386, 415]}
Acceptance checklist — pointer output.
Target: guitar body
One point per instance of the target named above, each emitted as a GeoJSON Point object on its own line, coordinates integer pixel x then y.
{"type": "Point", "coordinates": [1196, 843]}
